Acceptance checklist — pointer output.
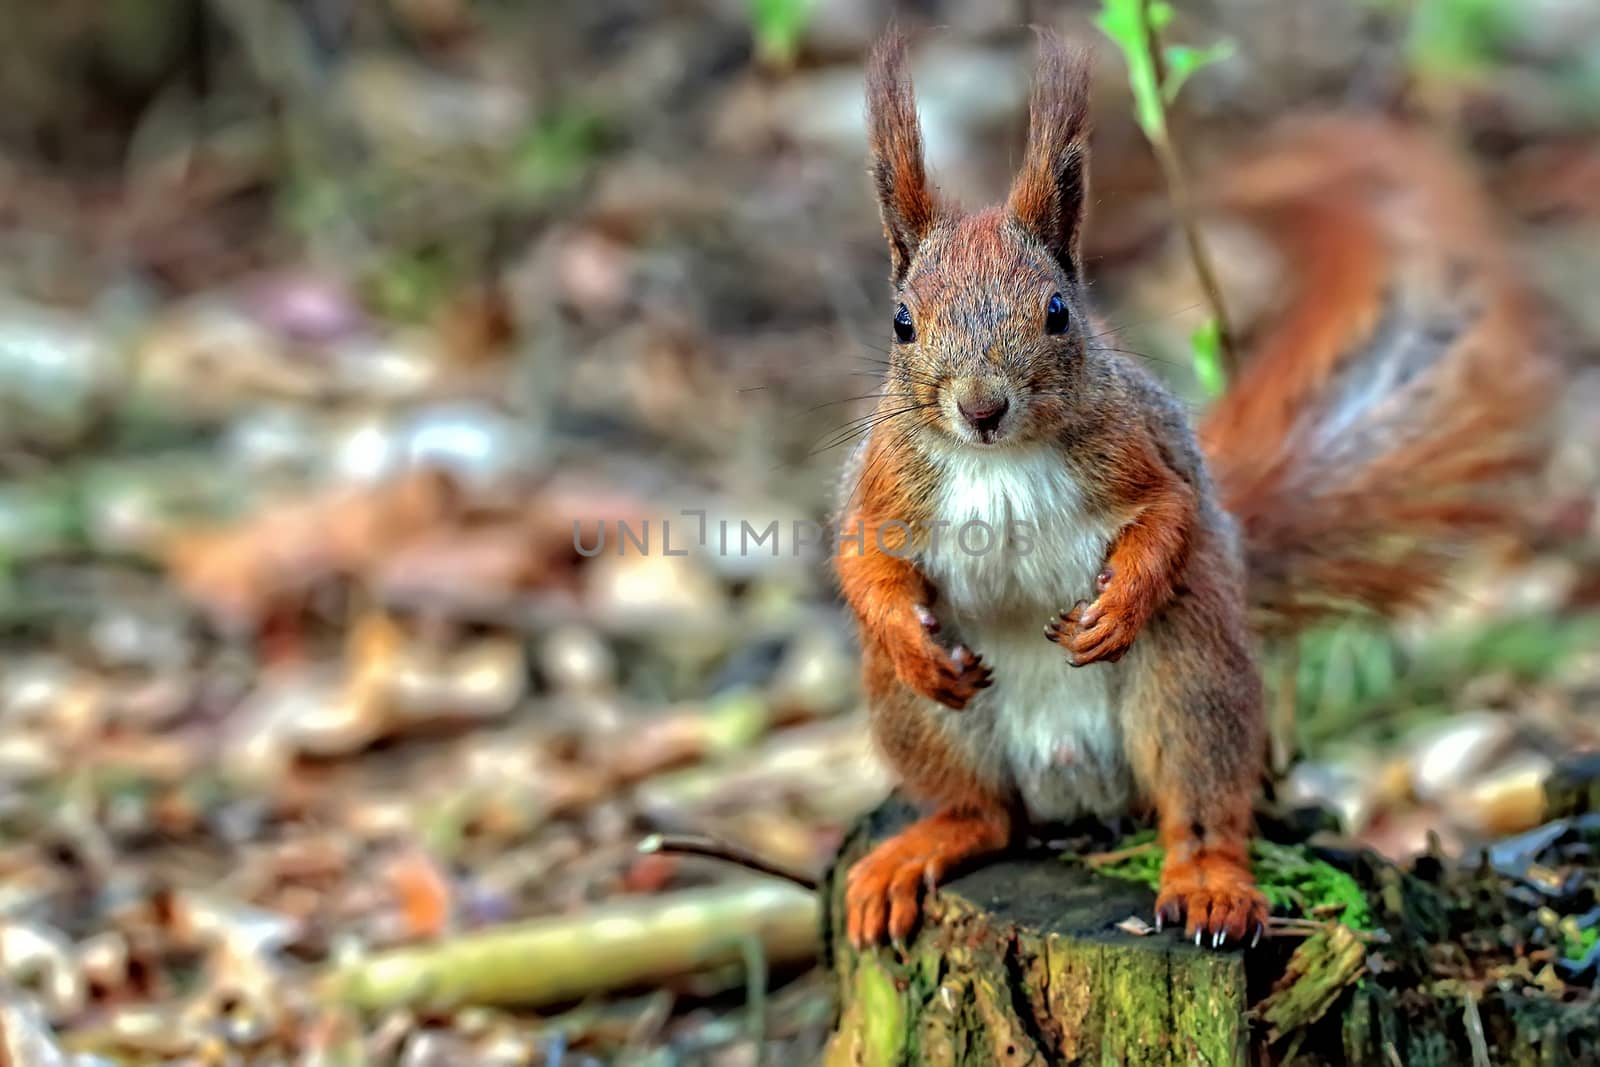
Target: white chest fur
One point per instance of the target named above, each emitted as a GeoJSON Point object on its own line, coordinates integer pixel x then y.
{"type": "Point", "coordinates": [1016, 543]}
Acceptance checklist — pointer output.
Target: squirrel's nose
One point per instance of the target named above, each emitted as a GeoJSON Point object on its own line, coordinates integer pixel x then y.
{"type": "Point", "coordinates": [984, 415]}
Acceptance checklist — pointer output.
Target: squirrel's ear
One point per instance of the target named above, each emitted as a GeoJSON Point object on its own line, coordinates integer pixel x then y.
{"type": "Point", "coordinates": [1048, 195]}
{"type": "Point", "coordinates": [908, 205]}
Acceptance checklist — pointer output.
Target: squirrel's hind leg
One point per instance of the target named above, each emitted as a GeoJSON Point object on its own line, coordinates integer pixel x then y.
{"type": "Point", "coordinates": [970, 817]}
{"type": "Point", "coordinates": [1206, 881]}
{"type": "Point", "coordinates": [1196, 741]}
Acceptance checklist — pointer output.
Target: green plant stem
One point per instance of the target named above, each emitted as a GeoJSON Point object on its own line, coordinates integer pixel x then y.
{"type": "Point", "coordinates": [1173, 174]}
{"type": "Point", "coordinates": [1183, 207]}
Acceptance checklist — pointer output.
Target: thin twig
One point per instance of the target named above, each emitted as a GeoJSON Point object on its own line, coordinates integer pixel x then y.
{"type": "Point", "coordinates": [711, 848]}
{"type": "Point", "coordinates": [1101, 859]}
{"type": "Point", "coordinates": [1172, 173]}
{"type": "Point", "coordinates": [1178, 190]}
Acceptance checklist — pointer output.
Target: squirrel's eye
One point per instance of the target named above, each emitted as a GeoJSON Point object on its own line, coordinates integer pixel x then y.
{"type": "Point", "coordinates": [904, 332]}
{"type": "Point", "coordinates": [1056, 316]}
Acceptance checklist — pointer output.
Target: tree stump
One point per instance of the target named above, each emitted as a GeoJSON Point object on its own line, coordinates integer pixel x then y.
{"type": "Point", "coordinates": [1019, 962]}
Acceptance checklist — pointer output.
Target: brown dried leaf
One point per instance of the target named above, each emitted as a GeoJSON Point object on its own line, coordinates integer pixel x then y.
{"type": "Point", "coordinates": [238, 573]}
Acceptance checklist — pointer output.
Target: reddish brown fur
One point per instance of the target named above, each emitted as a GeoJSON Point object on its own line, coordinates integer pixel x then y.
{"type": "Point", "coordinates": [908, 204]}
{"type": "Point", "coordinates": [886, 589]}
{"type": "Point", "coordinates": [1365, 212]}
{"type": "Point", "coordinates": [899, 654]}
{"type": "Point", "coordinates": [1316, 514]}
{"type": "Point", "coordinates": [1144, 565]}
{"type": "Point", "coordinates": [1054, 177]}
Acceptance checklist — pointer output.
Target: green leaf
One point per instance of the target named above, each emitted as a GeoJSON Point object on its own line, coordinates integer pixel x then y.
{"type": "Point", "coordinates": [1576, 947]}
{"type": "Point", "coordinates": [778, 26]}
{"type": "Point", "coordinates": [1455, 38]}
{"type": "Point", "coordinates": [1183, 60]}
{"type": "Point", "coordinates": [1133, 25]}
{"type": "Point", "coordinates": [1124, 22]}
{"type": "Point", "coordinates": [1207, 345]}
{"type": "Point", "coordinates": [555, 153]}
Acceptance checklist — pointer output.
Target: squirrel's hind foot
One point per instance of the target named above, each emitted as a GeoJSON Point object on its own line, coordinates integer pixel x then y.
{"type": "Point", "coordinates": [883, 891]}
{"type": "Point", "coordinates": [1215, 897]}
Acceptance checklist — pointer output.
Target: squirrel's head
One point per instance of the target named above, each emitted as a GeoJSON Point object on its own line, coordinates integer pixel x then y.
{"type": "Point", "coordinates": [989, 327]}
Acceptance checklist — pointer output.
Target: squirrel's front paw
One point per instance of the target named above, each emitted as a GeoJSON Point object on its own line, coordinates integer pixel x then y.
{"type": "Point", "coordinates": [952, 676]}
{"type": "Point", "coordinates": [1091, 632]}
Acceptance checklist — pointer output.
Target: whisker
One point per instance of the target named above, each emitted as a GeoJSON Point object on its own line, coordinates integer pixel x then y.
{"type": "Point", "coordinates": [1118, 327]}
{"type": "Point", "coordinates": [849, 399]}
{"type": "Point", "coordinates": [877, 376]}
{"type": "Point", "coordinates": [1144, 355]}
{"type": "Point", "coordinates": [858, 428]}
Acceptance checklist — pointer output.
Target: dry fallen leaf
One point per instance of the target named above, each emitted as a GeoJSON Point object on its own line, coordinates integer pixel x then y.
{"type": "Point", "coordinates": [1135, 926]}
{"type": "Point", "coordinates": [424, 893]}
{"type": "Point", "coordinates": [238, 573]}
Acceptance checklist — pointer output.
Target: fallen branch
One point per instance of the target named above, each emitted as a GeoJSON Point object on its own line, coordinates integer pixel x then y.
{"type": "Point", "coordinates": [627, 942]}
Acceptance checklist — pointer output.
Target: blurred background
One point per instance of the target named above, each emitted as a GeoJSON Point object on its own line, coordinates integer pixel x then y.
{"type": "Point", "coordinates": [323, 321]}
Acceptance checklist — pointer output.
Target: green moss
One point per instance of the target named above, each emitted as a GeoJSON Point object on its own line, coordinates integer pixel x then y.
{"type": "Point", "coordinates": [1295, 882]}
{"type": "Point", "coordinates": [1576, 948]}
{"type": "Point", "coordinates": [883, 1014]}
{"type": "Point", "coordinates": [1294, 879]}
{"type": "Point", "coordinates": [1143, 867]}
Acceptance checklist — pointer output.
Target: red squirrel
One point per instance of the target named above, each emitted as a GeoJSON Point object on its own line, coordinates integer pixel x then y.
{"type": "Point", "coordinates": [1359, 448]}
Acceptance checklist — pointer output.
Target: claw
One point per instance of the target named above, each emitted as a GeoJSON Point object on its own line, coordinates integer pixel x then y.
{"type": "Point", "coordinates": [1197, 934]}
{"type": "Point", "coordinates": [1160, 921]}
{"type": "Point", "coordinates": [1254, 941]}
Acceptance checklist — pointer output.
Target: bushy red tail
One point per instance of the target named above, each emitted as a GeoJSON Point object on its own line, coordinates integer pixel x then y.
{"type": "Point", "coordinates": [1374, 432]}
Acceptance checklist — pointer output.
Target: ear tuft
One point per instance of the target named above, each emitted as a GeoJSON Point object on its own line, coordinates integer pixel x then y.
{"type": "Point", "coordinates": [906, 202]}
{"type": "Point", "coordinates": [1049, 194]}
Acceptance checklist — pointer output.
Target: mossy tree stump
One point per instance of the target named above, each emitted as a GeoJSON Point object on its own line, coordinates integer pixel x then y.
{"type": "Point", "coordinates": [1020, 962]}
